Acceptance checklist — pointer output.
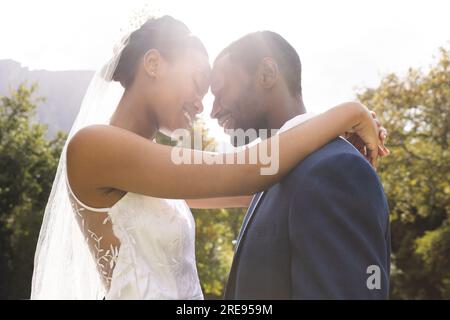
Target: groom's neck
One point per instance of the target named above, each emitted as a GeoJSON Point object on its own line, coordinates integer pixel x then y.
{"type": "Point", "coordinates": [283, 108]}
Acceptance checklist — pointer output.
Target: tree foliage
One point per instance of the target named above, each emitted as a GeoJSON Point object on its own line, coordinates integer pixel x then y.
{"type": "Point", "coordinates": [415, 109]}
{"type": "Point", "coordinates": [28, 164]}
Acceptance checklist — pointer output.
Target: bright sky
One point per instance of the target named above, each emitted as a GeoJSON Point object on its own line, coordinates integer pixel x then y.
{"type": "Point", "coordinates": [343, 45]}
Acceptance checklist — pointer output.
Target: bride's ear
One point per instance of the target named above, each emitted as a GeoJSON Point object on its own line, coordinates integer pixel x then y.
{"type": "Point", "coordinates": [151, 62]}
{"type": "Point", "coordinates": [268, 73]}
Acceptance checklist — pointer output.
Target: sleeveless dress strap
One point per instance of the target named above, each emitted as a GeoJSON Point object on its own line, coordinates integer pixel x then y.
{"type": "Point", "coordinates": [81, 203]}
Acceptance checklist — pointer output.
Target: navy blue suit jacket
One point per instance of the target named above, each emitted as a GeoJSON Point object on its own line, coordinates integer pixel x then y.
{"type": "Point", "coordinates": [315, 234]}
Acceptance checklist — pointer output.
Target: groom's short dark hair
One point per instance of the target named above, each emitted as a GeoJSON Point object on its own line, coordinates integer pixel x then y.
{"type": "Point", "coordinates": [249, 50]}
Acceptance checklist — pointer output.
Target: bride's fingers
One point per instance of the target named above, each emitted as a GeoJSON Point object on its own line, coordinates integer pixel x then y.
{"type": "Point", "coordinates": [358, 143]}
{"type": "Point", "coordinates": [373, 146]}
{"type": "Point", "coordinates": [383, 136]}
{"type": "Point", "coordinates": [383, 151]}
{"type": "Point", "coordinates": [372, 154]}
{"type": "Point", "coordinates": [380, 128]}
{"type": "Point", "coordinates": [378, 123]}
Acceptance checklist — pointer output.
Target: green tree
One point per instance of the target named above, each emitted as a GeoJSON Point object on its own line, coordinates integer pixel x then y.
{"type": "Point", "coordinates": [215, 231]}
{"type": "Point", "coordinates": [416, 112]}
{"type": "Point", "coordinates": [28, 164]}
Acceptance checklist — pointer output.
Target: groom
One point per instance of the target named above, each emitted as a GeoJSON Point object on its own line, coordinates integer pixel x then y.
{"type": "Point", "coordinates": [323, 231]}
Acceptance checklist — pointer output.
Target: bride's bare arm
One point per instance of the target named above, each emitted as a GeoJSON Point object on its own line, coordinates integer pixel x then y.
{"type": "Point", "coordinates": [244, 201]}
{"type": "Point", "coordinates": [119, 159]}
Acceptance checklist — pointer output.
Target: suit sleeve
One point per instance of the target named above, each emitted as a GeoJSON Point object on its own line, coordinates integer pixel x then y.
{"type": "Point", "coordinates": [339, 231]}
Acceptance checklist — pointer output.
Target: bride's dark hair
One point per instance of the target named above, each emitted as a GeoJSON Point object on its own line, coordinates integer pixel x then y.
{"type": "Point", "coordinates": [167, 35]}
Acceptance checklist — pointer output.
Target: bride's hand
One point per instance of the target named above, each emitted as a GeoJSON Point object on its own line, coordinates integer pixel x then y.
{"type": "Point", "coordinates": [358, 143]}
{"type": "Point", "coordinates": [368, 136]}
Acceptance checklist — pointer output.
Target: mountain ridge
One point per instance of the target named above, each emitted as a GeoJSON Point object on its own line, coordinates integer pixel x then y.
{"type": "Point", "coordinates": [63, 92]}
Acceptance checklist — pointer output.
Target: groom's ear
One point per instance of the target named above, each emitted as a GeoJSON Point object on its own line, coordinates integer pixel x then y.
{"type": "Point", "coordinates": [268, 73]}
{"type": "Point", "coordinates": [151, 62]}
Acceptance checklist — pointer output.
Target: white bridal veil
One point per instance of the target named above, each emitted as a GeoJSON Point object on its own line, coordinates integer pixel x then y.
{"type": "Point", "coordinates": [63, 265]}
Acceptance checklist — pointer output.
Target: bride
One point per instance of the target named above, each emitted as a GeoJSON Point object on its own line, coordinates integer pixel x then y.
{"type": "Point", "coordinates": [115, 225]}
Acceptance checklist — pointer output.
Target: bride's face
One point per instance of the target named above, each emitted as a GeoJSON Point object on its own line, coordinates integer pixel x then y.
{"type": "Point", "coordinates": [181, 85]}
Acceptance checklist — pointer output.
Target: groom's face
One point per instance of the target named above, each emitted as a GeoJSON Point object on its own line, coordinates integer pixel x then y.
{"type": "Point", "coordinates": [237, 103]}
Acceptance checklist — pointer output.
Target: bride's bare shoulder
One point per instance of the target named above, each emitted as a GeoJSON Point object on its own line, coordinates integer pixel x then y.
{"type": "Point", "coordinates": [94, 140]}
{"type": "Point", "coordinates": [100, 130]}
{"type": "Point", "coordinates": [98, 134]}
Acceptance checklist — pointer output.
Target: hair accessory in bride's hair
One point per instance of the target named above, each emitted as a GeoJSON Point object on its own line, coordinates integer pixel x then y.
{"type": "Point", "coordinates": [107, 71]}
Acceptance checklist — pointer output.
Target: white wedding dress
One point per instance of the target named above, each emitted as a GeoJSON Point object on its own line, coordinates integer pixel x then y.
{"type": "Point", "coordinates": [151, 251]}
